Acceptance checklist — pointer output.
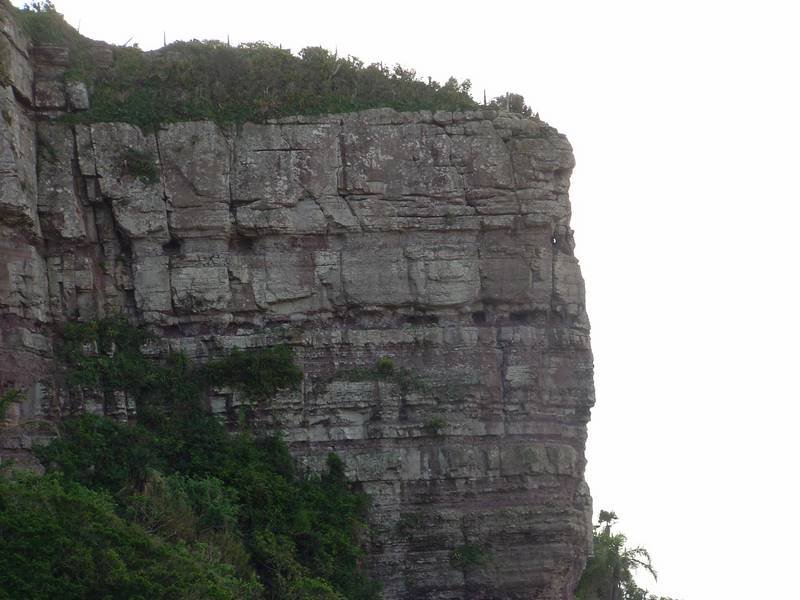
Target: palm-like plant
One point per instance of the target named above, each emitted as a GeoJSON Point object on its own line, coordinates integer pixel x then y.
{"type": "Point", "coordinates": [609, 574]}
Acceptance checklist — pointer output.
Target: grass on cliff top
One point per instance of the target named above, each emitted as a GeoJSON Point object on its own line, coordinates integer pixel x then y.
{"type": "Point", "coordinates": [254, 82]}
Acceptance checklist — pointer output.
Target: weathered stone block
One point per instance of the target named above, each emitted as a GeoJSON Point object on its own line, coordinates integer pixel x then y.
{"type": "Point", "coordinates": [60, 210]}
{"type": "Point", "coordinates": [17, 167]}
{"type": "Point", "coordinates": [200, 288]}
{"type": "Point", "coordinates": [137, 202]}
{"type": "Point", "coordinates": [196, 161]}
{"type": "Point", "coordinates": [77, 95]}
{"type": "Point", "coordinates": [50, 94]}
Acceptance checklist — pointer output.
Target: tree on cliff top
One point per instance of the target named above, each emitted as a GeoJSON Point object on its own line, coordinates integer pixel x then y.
{"type": "Point", "coordinates": [512, 102]}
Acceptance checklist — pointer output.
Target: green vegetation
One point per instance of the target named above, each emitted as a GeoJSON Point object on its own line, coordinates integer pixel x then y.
{"type": "Point", "coordinates": [512, 102]}
{"type": "Point", "coordinates": [44, 25]}
{"type": "Point", "coordinates": [384, 370]}
{"type": "Point", "coordinates": [468, 557]}
{"type": "Point", "coordinates": [6, 398]}
{"type": "Point", "coordinates": [141, 165]}
{"type": "Point", "coordinates": [198, 80]}
{"type": "Point", "coordinates": [105, 356]}
{"type": "Point", "coordinates": [435, 426]}
{"type": "Point", "coordinates": [174, 506]}
{"type": "Point", "coordinates": [183, 479]}
{"type": "Point", "coordinates": [257, 374]}
{"type": "Point", "coordinates": [62, 540]}
{"type": "Point", "coordinates": [408, 523]}
{"type": "Point", "coordinates": [385, 366]}
{"type": "Point", "coordinates": [609, 574]}
{"type": "Point", "coordinates": [252, 82]}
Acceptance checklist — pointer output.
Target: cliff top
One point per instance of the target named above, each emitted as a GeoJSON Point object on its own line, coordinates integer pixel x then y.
{"type": "Point", "coordinates": [211, 80]}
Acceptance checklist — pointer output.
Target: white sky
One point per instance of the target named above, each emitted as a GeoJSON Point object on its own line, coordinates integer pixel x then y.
{"type": "Point", "coordinates": [684, 117]}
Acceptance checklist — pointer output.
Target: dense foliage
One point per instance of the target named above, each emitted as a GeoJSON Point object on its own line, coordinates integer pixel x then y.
{"type": "Point", "coordinates": [252, 82]}
{"type": "Point", "coordinates": [258, 374]}
{"type": "Point", "coordinates": [106, 356]}
{"type": "Point", "coordinates": [512, 102]}
{"type": "Point", "coordinates": [174, 506]}
{"type": "Point", "coordinates": [63, 540]}
{"type": "Point", "coordinates": [610, 571]}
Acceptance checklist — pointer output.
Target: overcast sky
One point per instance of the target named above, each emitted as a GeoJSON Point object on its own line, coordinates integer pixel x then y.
{"type": "Point", "coordinates": [684, 120]}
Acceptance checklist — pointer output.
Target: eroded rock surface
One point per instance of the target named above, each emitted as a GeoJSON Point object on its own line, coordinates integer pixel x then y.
{"type": "Point", "coordinates": [439, 240]}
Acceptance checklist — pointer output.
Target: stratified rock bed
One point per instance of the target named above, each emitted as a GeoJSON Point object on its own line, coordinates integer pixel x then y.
{"type": "Point", "coordinates": [439, 240]}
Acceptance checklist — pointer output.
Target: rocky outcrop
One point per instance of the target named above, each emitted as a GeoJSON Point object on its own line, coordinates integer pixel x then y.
{"type": "Point", "coordinates": [438, 240]}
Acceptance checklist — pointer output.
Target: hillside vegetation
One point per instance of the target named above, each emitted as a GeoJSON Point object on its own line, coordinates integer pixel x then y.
{"type": "Point", "coordinates": [174, 506]}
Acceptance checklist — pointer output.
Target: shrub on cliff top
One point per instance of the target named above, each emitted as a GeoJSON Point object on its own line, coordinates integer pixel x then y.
{"type": "Point", "coordinates": [252, 82]}
{"type": "Point", "coordinates": [512, 102]}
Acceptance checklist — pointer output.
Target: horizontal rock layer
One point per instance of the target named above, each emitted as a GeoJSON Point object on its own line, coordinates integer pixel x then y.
{"type": "Point", "coordinates": [439, 240]}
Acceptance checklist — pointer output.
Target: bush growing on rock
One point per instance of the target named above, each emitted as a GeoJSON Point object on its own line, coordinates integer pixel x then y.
{"type": "Point", "coordinates": [6, 398]}
{"type": "Point", "coordinates": [252, 82]}
{"type": "Point", "coordinates": [385, 366]}
{"type": "Point", "coordinates": [174, 506]}
{"type": "Point", "coordinates": [513, 102]}
{"type": "Point", "coordinates": [106, 356]}
{"type": "Point", "coordinates": [468, 557]}
{"type": "Point", "coordinates": [140, 165]}
{"type": "Point", "coordinates": [238, 499]}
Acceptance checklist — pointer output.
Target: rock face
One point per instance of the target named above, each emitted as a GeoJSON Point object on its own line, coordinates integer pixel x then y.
{"type": "Point", "coordinates": [441, 241]}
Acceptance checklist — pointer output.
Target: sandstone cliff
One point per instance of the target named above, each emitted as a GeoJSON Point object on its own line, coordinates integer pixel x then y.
{"type": "Point", "coordinates": [439, 240]}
